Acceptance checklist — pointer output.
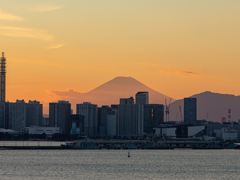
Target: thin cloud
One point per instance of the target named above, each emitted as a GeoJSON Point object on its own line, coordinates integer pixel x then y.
{"type": "Point", "coordinates": [67, 94]}
{"type": "Point", "coordinates": [45, 8]}
{"type": "Point", "coordinates": [166, 72]}
{"type": "Point", "coordinates": [10, 17]}
{"type": "Point", "coordinates": [185, 73]}
{"type": "Point", "coordinates": [25, 33]}
{"type": "Point", "coordinates": [56, 46]}
{"type": "Point", "coordinates": [179, 73]}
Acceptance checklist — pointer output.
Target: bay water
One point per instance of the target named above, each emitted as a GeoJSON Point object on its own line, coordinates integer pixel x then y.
{"type": "Point", "coordinates": [115, 164]}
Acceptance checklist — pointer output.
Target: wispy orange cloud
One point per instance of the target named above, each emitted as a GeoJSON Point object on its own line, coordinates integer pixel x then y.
{"type": "Point", "coordinates": [56, 46]}
{"type": "Point", "coordinates": [46, 7]}
{"type": "Point", "coordinates": [25, 32]}
{"type": "Point", "coordinates": [10, 17]}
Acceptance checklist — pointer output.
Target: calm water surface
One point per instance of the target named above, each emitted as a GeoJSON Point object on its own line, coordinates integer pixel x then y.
{"type": "Point", "coordinates": [114, 164]}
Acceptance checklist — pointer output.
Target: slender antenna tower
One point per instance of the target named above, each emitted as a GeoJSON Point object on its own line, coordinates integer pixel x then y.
{"type": "Point", "coordinates": [229, 115]}
{"type": "Point", "coordinates": [3, 78]}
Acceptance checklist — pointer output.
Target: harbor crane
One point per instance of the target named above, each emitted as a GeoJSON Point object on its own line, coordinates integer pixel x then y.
{"type": "Point", "coordinates": [167, 111]}
{"type": "Point", "coordinates": [181, 118]}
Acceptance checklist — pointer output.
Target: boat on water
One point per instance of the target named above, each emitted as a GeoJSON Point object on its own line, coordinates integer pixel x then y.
{"type": "Point", "coordinates": [149, 145]}
{"type": "Point", "coordinates": [129, 146]}
{"type": "Point", "coordinates": [80, 145]}
{"type": "Point", "coordinates": [211, 145]}
{"type": "Point", "coordinates": [230, 145]}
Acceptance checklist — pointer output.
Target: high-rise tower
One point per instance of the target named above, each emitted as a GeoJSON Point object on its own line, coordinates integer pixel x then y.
{"type": "Point", "coordinates": [3, 78]}
{"type": "Point", "coordinates": [190, 110]}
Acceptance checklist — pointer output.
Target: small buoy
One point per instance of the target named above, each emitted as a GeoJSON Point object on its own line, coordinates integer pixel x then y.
{"type": "Point", "coordinates": [128, 154]}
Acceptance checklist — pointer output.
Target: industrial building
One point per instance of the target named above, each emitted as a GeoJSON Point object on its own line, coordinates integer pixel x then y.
{"type": "Point", "coordinates": [49, 131]}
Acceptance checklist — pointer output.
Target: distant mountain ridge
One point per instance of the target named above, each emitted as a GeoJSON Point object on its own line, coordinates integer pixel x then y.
{"type": "Point", "coordinates": [111, 92]}
{"type": "Point", "coordinates": [210, 106]}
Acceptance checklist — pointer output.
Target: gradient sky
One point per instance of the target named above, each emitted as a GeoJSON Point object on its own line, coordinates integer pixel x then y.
{"type": "Point", "coordinates": [178, 48]}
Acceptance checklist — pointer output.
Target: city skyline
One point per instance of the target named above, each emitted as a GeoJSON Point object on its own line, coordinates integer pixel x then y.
{"type": "Point", "coordinates": [53, 47]}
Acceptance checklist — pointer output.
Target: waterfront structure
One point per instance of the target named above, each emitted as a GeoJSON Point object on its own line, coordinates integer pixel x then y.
{"type": "Point", "coordinates": [180, 131]}
{"type": "Point", "coordinates": [90, 113]}
{"type": "Point", "coordinates": [153, 117]}
{"type": "Point", "coordinates": [226, 134]}
{"type": "Point", "coordinates": [190, 110]}
{"type": "Point", "coordinates": [60, 115]}
{"type": "Point", "coordinates": [216, 129]}
{"type": "Point", "coordinates": [3, 79]}
{"type": "Point", "coordinates": [142, 98]}
{"type": "Point", "coordinates": [77, 124]}
{"type": "Point", "coordinates": [130, 118]}
{"type": "Point", "coordinates": [49, 131]}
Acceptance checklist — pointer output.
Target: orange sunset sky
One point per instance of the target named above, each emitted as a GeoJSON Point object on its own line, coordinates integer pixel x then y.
{"type": "Point", "coordinates": [178, 48]}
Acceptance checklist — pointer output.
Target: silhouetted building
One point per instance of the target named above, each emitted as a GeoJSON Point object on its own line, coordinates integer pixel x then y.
{"type": "Point", "coordinates": [153, 117]}
{"type": "Point", "coordinates": [112, 119]}
{"type": "Point", "coordinates": [4, 113]}
{"type": "Point", "coordinates": [60, 115]}
{"type": "Point", "coordinates": [34, 113]}
{"type": "Point", "coordinates": [190, 110]}
{"type": "Point", "coordinates": [46, 121]}
{"type": "Point", "coordinates": [127, 100]}
{"type": "Point", "coordinates": [90, 113]}
{"type": "Point", "coordinates": [102, 119]}
{"type": "Point", "coordinates": [3, 79]}
{"type": "Point", "coordinates": [130, 118]}
{"type": "Point", "coordinates": [77, 124]}
{"type": "Point", "coordinates": [142, 98]}
{"type": "Point", "coordinates": [17, 115]}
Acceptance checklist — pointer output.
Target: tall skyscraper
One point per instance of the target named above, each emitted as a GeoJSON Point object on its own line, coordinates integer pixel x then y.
{"type": "Point", "coordinates": [190, 110]}
{"type": "Point", "coordinates": [142, 98]}
{"type": "Point", "coordinates": [60, 116]}
{"type": "Point", "coordinates": [3, 79]}
{"type": "Point", "coordinates": [153, 117]}
{"type": "Point", "coordinates": [90, 121]}
{"type": "Point", "coordinates": [130, 118]}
